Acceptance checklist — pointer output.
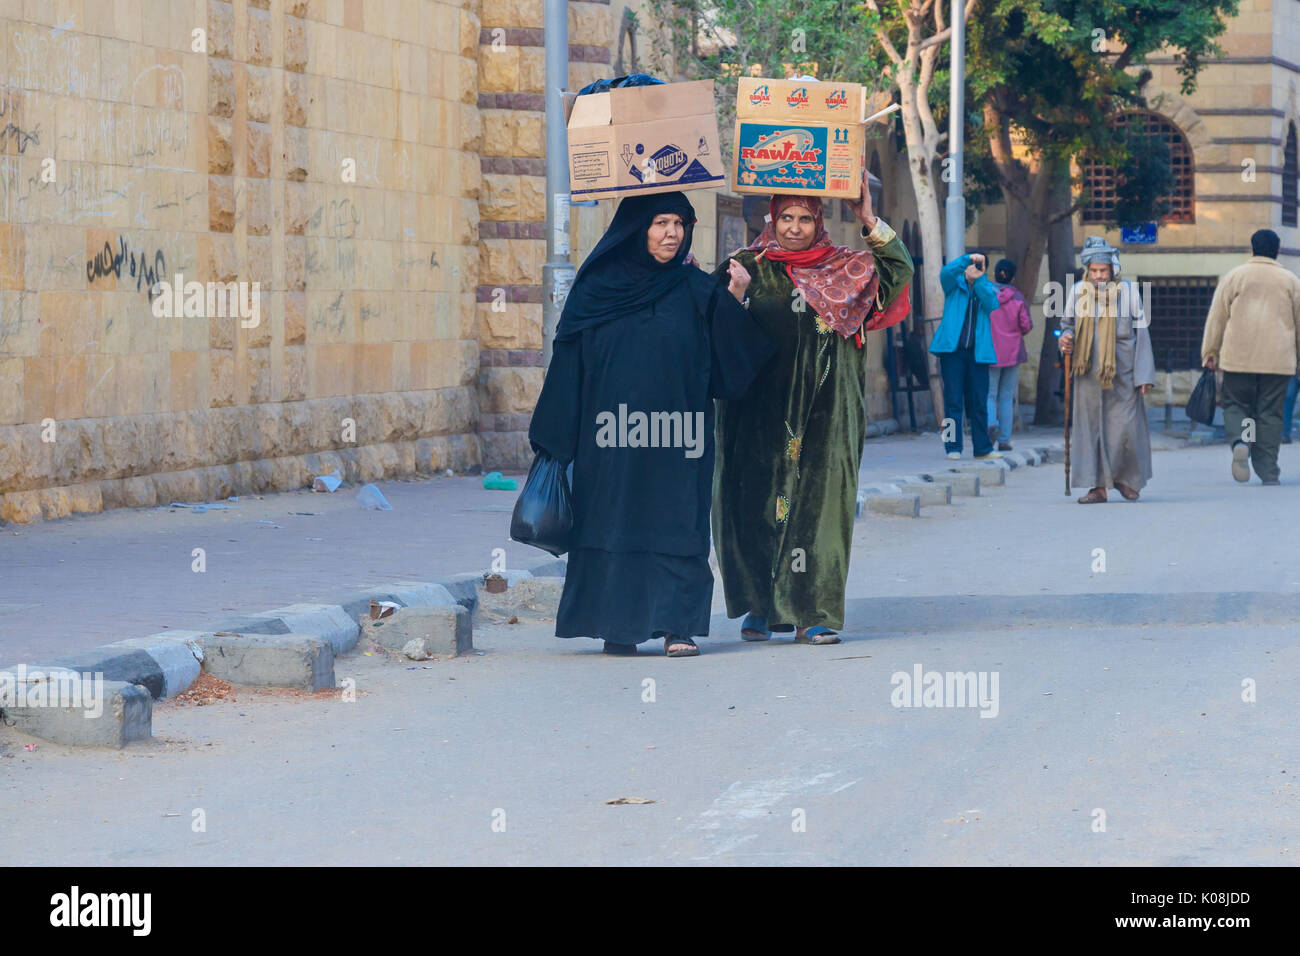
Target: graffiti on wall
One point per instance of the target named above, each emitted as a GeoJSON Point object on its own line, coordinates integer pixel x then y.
{"type": "Point", "coordinates": [137, 265]}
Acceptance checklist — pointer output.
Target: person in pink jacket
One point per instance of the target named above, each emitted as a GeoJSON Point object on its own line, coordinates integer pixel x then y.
{"type": "Point", "coordinates": [1010, 324]}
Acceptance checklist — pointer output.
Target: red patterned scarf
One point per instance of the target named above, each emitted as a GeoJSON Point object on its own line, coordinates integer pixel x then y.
{"type": "Point", "coordinates": [839, 283]}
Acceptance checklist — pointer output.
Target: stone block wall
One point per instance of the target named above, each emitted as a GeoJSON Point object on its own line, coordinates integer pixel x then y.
{"type": "Point", "coordinates": [374, 167]}
{"type": "Point", "coordinates": [512, 207]}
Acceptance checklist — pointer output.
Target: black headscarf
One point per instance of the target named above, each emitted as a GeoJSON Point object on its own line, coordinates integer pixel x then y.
{"type": "Point", "coordinates": [620, 275]}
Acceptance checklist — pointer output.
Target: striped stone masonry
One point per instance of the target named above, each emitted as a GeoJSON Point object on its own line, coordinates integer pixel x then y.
{"type": "Point", "coordinates": [329, 153]}
{"type": "Point", "coordinates": [514, 357]}
{"type": "Point", "coordinates": [512, 208]}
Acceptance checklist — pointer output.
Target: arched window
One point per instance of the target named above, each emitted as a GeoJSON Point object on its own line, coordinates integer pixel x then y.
{"type": "Point", "coordinates": [1099, 179]}
{"type": "Point", "coordinates": [1290, 172]}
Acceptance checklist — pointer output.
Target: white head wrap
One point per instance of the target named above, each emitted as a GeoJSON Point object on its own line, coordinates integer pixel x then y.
{"type": "Point", "coordinates": [1097, 249]}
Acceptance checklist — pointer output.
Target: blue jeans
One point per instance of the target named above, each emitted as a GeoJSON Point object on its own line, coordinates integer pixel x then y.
{"type": "Point", "coordinates": [1288, 408]}
{"type": "Point", "coordinates": [1003, 383]}
{"type": "Point", "coordinates": [965, 381]}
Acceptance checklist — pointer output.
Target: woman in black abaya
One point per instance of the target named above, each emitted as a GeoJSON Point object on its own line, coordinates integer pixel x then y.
{"type": "Point", "coordinates": [644, 344]}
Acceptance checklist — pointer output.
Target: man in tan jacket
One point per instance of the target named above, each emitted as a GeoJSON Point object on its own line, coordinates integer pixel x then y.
{"type": "Point", "coordinates": [1253, 336]}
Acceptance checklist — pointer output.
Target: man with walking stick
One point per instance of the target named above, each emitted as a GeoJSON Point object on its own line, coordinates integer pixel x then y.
{"type": "Point", "coordinates": [1112, 367]}
{"type": "Point", "coordinates": [1065, 362]}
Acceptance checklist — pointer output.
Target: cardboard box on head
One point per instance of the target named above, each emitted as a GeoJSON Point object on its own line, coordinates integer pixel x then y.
{"type": "Point", "coordinates": [799, 136]}
{"type": "Point", "coordinates": [639, 140]}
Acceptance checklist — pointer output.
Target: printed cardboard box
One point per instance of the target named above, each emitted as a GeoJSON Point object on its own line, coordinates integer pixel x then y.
{"type": "Point", "coordinates": [643, 139]}
{"type": "Point", "coordinates": [799, 136]}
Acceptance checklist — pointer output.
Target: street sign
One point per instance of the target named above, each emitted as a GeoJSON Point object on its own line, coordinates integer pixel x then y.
{"type": "Point", "coordinates": [1145, 234]}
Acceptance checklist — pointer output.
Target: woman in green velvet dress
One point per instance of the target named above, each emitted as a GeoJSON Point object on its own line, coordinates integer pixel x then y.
{"type": "Point", "coordinates": [785, 486]}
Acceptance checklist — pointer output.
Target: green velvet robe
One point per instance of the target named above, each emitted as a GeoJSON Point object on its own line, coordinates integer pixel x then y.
{"type": "Point", "coordinates": [786, 480]}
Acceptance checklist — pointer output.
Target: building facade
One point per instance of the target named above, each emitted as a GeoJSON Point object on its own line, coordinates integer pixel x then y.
{"type": "Point", "coordinates": [371, 167]}
{"type": "Point", "coordinates": [375, 169]}
{"type": "Point", "coordinates": [1233, 153]}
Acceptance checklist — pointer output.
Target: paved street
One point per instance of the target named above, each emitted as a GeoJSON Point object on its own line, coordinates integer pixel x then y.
{"type": "Point", "coordinates": [1119, 700]}
{"type": "Point", "coordinates": [1145, 725]}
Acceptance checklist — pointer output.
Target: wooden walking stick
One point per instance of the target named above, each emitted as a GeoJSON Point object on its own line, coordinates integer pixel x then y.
{"type": "Point", "coordinates": [1067, 358]}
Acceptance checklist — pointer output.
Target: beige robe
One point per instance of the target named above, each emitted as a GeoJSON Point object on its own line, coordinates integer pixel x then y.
{"type": "Point", "coordinates": [1109, 439]}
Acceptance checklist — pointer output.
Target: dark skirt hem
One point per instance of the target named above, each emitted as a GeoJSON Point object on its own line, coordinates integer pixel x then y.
{"type": "Point", "coordinates": [626, 597]}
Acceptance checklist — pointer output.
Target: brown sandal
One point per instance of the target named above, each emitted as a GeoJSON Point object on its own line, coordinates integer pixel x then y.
{"type": "Point", "coordinates": [1129, 494]}
{"type": "Point", "coordinates": [1094, 497]}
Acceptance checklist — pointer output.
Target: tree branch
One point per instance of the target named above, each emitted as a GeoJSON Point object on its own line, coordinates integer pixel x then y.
{"type": "Point", "coordinates": [1074, 207]}
{"type": "Point", "coordinates": [882, 36]}
{"type": "Point", "coordinates": [943, 35]}
{"type": "Point", "coordinates": [937, 39]}
{"type": "Point", "coordinates": [928, 126]}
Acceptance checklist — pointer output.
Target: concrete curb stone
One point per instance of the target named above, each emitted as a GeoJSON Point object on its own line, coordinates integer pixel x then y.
{"type": "Point", "coordinates": [303, 661]}
{"type": "Point", "coordinates": [328, 621]}
{"type": "Point", "coordinates": [929, 491]}
{"type": "Point", "coordinates": [406, 593]}
{"type": "Point", "coordinates": [989, 474]}
{"type": "Point", "coordinates": [179, 656]}
{"type": "Point", "coordinates": [129, 665]}
{"type": "Point", "coordinates": [526, 599]}
{"type": "Point", "coordinates": [467, 586]}
{"type": "Point", "coordinates": [888, 500]}
{"type": "Point", "coordinates": [139, 670]}
{"type": "Point", "coordinates": [445, 632]}
{"type": "Point", "coordinates": [247, 624]}
{"type": "Point", "coordinates": [127, 715]}
{"type": "Point", "coordinates": [961, 483]}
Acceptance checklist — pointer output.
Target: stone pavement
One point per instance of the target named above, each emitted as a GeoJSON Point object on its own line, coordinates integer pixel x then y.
{"type": "Point", "coordinates": [79, 582]}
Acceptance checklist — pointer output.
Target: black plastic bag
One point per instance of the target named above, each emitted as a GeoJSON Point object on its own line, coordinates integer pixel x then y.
{"type": "Point", "coordinates": [1200, 405]}
{"type": "Point", "coordinates": [619, 82]}
{"type": "Point", "coordinates": [543, 514]}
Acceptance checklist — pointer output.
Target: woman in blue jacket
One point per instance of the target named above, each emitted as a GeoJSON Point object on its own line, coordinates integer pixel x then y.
{"type": "Point", "coordinates": [964, 344]}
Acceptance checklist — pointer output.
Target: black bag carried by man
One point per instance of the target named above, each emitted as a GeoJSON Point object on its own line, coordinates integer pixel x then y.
{"type": "Point", "coordinates": [543, 514]}
{"type": "Point", "coordinates": [1200, 405]}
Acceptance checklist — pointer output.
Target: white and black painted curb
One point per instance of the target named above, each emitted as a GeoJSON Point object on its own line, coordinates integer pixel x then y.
{"type": "Point", "coordinates": [906, 495]}
{"type": "Point", "coordinates": [168, 663]}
